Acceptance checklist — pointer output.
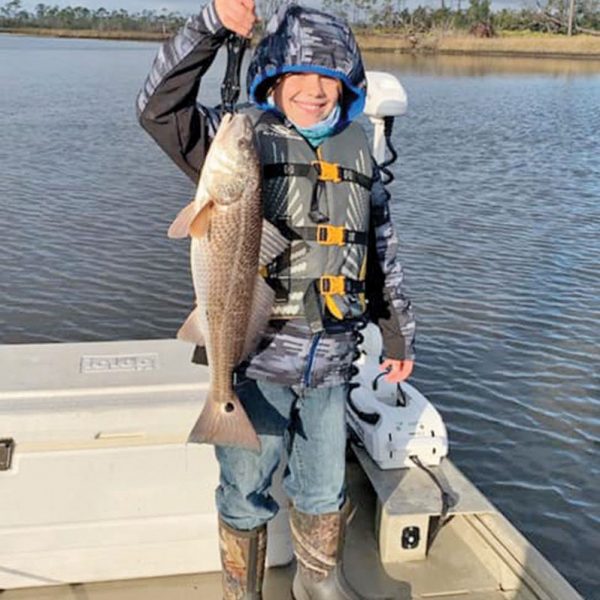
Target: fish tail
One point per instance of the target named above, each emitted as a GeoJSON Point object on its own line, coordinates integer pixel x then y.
{"type": "Point", "coordinates": [224, 424]}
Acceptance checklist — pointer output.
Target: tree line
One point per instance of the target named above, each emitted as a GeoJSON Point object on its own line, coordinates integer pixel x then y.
{"type": "Point", "coordinates": [470, 15]}
{"type": "Point", "coordinates": [370, 16]}
{"type": "Point", "coordinates": [45, 16]}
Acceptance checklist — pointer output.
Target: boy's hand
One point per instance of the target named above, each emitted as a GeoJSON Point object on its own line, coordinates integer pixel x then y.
{"type": "Point", "coordinates": [399, 370]}
{"type": "Point", "coordinates": [238, 16]}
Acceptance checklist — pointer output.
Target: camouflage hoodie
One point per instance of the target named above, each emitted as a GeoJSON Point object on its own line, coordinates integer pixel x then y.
{"type": "Point", "coordinates": [297, 39]}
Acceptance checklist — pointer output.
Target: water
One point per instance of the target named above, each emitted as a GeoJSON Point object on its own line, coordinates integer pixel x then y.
{"type": "Point", "coordinates": [496, 202]}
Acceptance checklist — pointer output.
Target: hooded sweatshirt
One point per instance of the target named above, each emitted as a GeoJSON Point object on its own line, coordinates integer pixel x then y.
{"type": "Point", "coordinates": [297, 39]}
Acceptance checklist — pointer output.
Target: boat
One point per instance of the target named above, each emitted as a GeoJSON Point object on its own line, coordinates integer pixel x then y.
{"type": "Point", "coordinates": [102, 498]}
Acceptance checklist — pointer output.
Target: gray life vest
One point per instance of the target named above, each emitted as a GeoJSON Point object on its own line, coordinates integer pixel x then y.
{"type": "Point", "coordinates": [320, 200]}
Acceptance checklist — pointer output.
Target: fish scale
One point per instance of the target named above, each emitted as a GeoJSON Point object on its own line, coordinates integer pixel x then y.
{"type": "Point", "coordinates": [232, 273]}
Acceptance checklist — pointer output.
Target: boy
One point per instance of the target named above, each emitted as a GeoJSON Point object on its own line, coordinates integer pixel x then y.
{"type": "Point", "coordinates": [321, 189]}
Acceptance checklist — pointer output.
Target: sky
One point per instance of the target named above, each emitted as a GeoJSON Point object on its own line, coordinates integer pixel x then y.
{"type": "Point", "coordinates": [187, 7]}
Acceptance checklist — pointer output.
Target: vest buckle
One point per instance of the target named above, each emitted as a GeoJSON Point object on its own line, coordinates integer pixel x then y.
{"type": "Point", "coordinates": [331, 235]}
{"type": "Point", "coordinates": [327, 171]}
{"type": "Point", "coordinates": [332, 284]}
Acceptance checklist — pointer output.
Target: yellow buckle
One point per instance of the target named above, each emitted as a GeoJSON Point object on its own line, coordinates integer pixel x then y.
{"type": "Point", "coordinates": [327, 171]}
{"type": "Point", "coordinates": [330, 235]}
{"type": "Point", "coordinates": [332, 284]}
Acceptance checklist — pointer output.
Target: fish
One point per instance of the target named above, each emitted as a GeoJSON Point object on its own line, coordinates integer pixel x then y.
{"type": "Point", "coordinates": [230, 240]}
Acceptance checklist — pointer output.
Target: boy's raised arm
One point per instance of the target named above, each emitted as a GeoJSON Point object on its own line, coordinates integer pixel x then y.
{"type": "Point", "coordinates": [167, 107]}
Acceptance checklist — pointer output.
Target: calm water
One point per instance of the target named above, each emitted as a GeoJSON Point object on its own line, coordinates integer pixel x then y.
{"type": "Point", "coordinates": [497, 202]}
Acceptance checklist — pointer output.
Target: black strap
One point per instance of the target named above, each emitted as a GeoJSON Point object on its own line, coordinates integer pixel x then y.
{"type": "Point", "coordinates": [230, 88]}
{"type": "Point", "coordinates": [281, 292]}
{"type": "Point", "coordinates": [284, 261]}
{"type": "Point", "coordinates": [311, 171]}
{"type": "Point", "coordinates": [356, 177]}
{"type": "Point", "coordinates": [351, 286]}
{"type": "Point", "coordinates": [316, 215]}
{"type": "Point", "coordinates": [279, 264]}
{"type": "Point", "coordinates": [312, 234]}
{"type": "Point", "coordinates": [313, 307]}
{"type": "Point", "coordinates": [288, 170]}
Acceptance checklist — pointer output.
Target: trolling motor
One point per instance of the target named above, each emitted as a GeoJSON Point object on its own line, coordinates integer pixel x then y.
{"type": "Point", "coordinates": [230, 88]}
{"type": "Point", "coordinates": [395, 423]}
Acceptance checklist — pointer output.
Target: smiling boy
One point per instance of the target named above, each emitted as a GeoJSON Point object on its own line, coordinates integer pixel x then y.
{"type": "Point", "coordinates": [306, 84]}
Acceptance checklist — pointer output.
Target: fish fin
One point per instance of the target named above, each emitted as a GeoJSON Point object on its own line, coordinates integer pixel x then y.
{"type": "Point", "coordinates": [180, 226]}
{"type": "Point", "coordinates": [216, 425]}
{"type": "Point", "coordinates": [199, 226]}
{"type": "Point", "coordinates": [262, 306]}
{"type": "Point", "coordinates": [272, 243]}
{"type": "Point", "coordinates": [191, 330]}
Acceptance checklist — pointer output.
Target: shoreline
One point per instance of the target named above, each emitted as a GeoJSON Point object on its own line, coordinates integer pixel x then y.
{"type": "Point", "coordinates": [507, 44]}
{"type": "Point", "coordinates": [531, 45]}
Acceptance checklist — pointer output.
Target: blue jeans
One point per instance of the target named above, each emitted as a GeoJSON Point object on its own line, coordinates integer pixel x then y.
{"type": "Point", "coordinates": [310, 426]}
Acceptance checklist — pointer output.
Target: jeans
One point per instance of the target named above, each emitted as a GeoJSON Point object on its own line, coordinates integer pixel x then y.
{"type": "Point", "coordinates": [310, 425]}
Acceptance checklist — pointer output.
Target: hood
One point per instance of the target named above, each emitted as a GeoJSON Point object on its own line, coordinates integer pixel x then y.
{"type": "Point", "coordinates": [301, 39]}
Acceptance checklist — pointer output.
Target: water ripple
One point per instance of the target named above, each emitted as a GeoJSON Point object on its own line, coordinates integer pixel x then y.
{"type": "Point", "coordinates": [496, 205]}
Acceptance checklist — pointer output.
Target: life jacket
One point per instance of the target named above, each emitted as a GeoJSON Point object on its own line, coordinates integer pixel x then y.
{"type": "Point", "coordinates": [319, 200]}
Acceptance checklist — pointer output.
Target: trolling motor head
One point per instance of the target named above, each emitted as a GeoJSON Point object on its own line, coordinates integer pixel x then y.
{"type": "Point", "coordinates": [386, 100]}
{"type": "Point", "coordinates": [385, 96]}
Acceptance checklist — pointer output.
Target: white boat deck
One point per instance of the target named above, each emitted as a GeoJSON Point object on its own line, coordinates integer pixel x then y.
{"type": "Point", "coordinates": [453, 570]}
{"type": "Point", "coordinates": [115, 402]}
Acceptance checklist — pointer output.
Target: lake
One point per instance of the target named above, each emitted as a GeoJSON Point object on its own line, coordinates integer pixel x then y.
{"type": "Point", "coordinates": [496, 200]}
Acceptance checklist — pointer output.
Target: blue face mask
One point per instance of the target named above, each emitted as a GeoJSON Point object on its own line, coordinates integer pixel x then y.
{"type": "Point", "coordinates": [315, 134]}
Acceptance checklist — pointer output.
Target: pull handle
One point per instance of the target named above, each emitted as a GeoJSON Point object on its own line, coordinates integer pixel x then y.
{"type": "Point", "coordinates": [7, 446]}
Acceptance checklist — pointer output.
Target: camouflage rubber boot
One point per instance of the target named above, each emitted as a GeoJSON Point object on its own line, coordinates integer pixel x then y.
{"type": "Point", "coordinates": [318, 543]}
{"type": "Point", "coordinates": [243, 561]}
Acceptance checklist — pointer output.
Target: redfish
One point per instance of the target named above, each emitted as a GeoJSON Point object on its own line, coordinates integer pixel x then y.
{"type": "Point", "coordinates": [233, 302]}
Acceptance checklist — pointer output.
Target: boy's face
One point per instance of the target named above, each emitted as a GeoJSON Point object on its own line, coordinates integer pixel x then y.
{"type": "Point", "coordinates": [306, 98]}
